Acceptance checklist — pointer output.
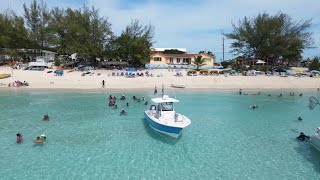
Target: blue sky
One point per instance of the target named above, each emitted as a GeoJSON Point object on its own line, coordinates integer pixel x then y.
{"type": "Point", "coordinates": [192, 24]}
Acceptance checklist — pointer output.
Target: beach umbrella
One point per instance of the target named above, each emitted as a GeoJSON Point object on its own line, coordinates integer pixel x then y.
{"type": "Point", "coordinates": [132, 70]}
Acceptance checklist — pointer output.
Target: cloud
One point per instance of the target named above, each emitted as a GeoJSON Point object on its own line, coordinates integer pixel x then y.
{"type": "Point", "coordinates": [195, 25]}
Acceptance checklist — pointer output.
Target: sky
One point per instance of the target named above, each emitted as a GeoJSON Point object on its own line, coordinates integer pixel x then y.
{"type": "Point", "coordinates": [192, 24]}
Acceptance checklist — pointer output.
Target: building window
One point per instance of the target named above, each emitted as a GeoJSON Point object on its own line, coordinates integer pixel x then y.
{"type": "Point", "coordinates": [178, 60]}
{"type": "Point", "coordinates": [184, 60]}
{"type": "Point", "coordinates": [170, 60]}
{"type": "Point", "coordinates": [157, 59]}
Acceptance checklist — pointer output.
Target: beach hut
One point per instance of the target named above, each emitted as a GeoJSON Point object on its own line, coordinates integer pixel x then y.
{"type": "Point", "coordinates": [214, 72]}
{"type": "Point", "coordinates": [192, 73]}
{"type": "Point", "coordinates": [204, 72]}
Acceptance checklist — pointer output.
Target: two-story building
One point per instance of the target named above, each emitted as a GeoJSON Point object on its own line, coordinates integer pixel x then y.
{"type": "Point", "coordinates": [159, 59]}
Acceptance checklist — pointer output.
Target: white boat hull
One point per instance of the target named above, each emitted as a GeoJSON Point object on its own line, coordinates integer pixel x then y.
{"type": "Point", "coordinates": [315, 141]}
{"type": "Point", "coordinates": [168, 130]}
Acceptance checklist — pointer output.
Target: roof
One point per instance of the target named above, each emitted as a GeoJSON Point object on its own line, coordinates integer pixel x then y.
{"type": "Point", "coordinates": [163, 49]}
{"type": "Point", "coordinates": [212, 56]}
{"type": "Point", "coordinates": [175, 55]}
{"type": "Point", "coordinates": [164, 99]}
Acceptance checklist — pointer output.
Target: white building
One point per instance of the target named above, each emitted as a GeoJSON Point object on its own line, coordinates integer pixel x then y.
{"type": "Point", "coordinates": [41, 62]}
{"type": "Point", "coordinates": [49, 55]}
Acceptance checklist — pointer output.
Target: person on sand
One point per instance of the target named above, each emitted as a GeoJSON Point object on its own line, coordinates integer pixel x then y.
{"type": "Point", "coordinates": [19, 138]}
{"type": "Point", "coordinates": [103, 83]}
{"type": "Point", "coordinates": [45, 117]}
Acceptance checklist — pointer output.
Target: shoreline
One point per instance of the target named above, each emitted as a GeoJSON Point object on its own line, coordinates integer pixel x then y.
{"type": "Point", "coordinates": [74, 81]}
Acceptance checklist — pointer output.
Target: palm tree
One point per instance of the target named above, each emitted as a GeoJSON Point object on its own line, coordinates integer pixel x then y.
{"type": "Point", "coordinates": [199, 61]}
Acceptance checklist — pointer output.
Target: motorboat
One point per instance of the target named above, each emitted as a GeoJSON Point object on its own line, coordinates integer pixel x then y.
{"type": "Point", "coordinates": [315, 139]}
{"type": "Point", "coordinates": [163, 118]}
{"type": "Point", "coordinates": [177, 86]}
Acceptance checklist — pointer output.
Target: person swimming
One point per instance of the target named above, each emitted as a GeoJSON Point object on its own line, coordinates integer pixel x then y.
{"type": "Point", "coordinates": [43, 137]}
{"type": "Point", "coordinates": [127, 104]}
{"type": "Point", "coordinates": [300, 118]}
{"type": "Point", "coordinates": [146, 103]}
{"type": "Point", "coordinates": [303, 137]}
{"type": "Point", "coordinates": [253, 106]}
{"type": "Point", "coordinates": [143, 98]}
{"type": "Point", "coordinates": [115, 106]}
{"type": "Point", "coordinates": [45, 117]}
{"type": "Point", "coordinates": [122, 112]}
{"type": "Point", "coordinates": [134, 98]}
{"type": "Point", "coordinates": [300, 94]}
{"type": "Point", "coordinates": [19, 138]}
{"type": "Point", "coordinates": [38, 140]}
{"type": "Point", "coordinates": [122, 97]}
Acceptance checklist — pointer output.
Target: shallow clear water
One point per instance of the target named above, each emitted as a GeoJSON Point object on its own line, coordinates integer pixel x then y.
{"type": "Point", "coordinates": [88, 140]}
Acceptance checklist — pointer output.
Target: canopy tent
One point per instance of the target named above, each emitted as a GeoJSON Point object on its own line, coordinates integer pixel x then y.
{"type": "Point", "coordinates": [260, 62]}
{"type": "Point", "coordinates": [58, 72]}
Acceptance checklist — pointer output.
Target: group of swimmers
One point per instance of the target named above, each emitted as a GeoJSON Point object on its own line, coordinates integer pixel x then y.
{"type": "Point", "coordinates": [259, 93]}
{"type": "Point", "coordinates": [39, 139]}
{"type": "Point", "coordinates": [112, 102]}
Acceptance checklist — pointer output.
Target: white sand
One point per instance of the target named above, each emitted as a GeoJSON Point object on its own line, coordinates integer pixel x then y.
{"type": "Point", "coordinates": [74, 80]}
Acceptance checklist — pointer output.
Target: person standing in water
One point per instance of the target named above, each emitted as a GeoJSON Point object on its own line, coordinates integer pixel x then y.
{"type": "Point", "coordinates": [155, 90]}
{"type": "Point", "coordinates": [19, 138]}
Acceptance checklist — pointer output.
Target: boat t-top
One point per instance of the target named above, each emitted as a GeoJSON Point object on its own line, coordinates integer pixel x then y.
{"type": "Point", "coordinates": [164, 119]}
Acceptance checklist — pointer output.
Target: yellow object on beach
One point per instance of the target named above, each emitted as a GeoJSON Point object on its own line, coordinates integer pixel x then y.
{"type": "Point", "coordinates": [2, 76]}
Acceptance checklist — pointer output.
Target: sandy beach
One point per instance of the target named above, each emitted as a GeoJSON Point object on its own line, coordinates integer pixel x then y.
{"type": "Point", "coordinates": [74, 80]}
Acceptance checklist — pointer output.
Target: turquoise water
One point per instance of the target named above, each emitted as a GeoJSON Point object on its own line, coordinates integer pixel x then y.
{"type": "Point", "coordinates": [88, 140]}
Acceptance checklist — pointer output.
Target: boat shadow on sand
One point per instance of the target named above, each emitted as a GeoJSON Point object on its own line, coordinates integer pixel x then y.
{"type": "Point", "coordinates": [158, 136]}
{"type": "Point", "coordinates": [309, 153]}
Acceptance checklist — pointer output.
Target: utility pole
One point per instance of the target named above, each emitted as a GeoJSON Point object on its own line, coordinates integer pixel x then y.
{"type": "Point", "coordinates": [222, 49]}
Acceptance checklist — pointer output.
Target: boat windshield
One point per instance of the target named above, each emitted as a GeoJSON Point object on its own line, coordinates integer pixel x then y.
{"type": "Point", "coordinates": [168, 106]}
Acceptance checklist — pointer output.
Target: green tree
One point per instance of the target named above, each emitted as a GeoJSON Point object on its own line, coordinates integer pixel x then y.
{"type": "Point", "coordinates": [133, 45]}
{"type": "Point", "coordinates": [81, 31]}
{"type": "Point", "coordinates": [275, 36]}
{"type": "Point", "coordinates": [37, 18]}
{"type": "Point", "coordinates": [57, 62]}
{"type": "Point", "coordinates": [13, 35]}
{"type": "Point", "coordinates": [199, 61]}
{"type": "Point", "coordinates": [225, 64]}
{"type": "Point", "coordinates": [315, 65]}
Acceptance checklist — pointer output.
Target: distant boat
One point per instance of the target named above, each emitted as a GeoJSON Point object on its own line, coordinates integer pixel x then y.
{"type": "Point", "coordinates": [164, 119]}
{"type": "Point", "coordinates": [177, 86]}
